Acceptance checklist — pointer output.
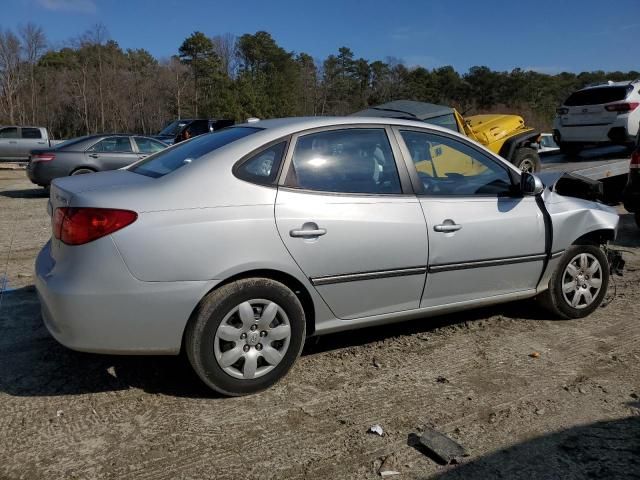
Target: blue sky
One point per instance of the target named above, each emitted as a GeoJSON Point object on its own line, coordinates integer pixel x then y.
{"type": "Point", "coordinates": [548, 36]}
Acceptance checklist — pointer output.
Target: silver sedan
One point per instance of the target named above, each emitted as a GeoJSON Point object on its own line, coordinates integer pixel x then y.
{"type": "Point", "coordinates": [237, 245]}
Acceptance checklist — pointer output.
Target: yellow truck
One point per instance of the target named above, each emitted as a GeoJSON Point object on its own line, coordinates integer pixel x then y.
{"type": "Point", "coordinates": [506, 135]}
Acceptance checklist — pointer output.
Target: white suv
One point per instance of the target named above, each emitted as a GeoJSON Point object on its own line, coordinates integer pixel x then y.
{"type": "Point", "coordinates": [599, 114]}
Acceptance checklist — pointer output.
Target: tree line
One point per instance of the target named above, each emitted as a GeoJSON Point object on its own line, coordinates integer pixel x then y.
{"type": "Point", "coordinates": [93, 85]}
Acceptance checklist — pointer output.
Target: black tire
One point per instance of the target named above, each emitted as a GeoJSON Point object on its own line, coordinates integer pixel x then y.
{"type": "Point", "coordinates": [526, 159]}
{"type": "Point", "coordinates": [570, 150]}
{"type": "Point", "coordinates": [637, 217]}
{"type": "Point", "coordinates": [553, 298]}
{"type": "Point", "coordinates": [82, 171]}
{"type": "Point", "coordinates": [201, 331]}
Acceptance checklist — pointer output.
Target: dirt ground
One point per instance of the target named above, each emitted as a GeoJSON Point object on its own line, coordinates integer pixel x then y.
{"type": "Point", "coordinates": [572, 412]}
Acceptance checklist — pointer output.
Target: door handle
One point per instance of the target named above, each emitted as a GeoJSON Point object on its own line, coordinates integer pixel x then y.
{"type": "Point", "coordinates": [13, 141]}
{"type": "Point", "coordinates": [447, 226]}
{"type": "Point", "coordinates": [308, 230]}
{"type": "Point", "coordinates": [94, 155]}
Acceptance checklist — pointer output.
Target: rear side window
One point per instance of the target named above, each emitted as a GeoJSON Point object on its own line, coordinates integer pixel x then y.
{"type": "Point", "coordinates": [262, 167]}
{"type": "Point", "coordinates": [355, 160]}
{"type": "Point", "coordinates": [31, 133]}
{"type": "Point", "coordinates": [184, 153]}
{"type": "Point", "coordinates": [113, 145]}
{"type": "Point", "coordinates": [147, 145]}
{"type": "Point", "coordinates": [597, 96]}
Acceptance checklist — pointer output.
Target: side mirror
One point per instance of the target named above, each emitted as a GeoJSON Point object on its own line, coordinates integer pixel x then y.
{"type": "Point", "coordinates": [530, 184]}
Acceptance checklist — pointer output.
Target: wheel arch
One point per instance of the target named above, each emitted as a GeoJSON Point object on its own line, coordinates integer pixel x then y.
{"type": "Point", "coordinates": [596, 237]}
{"type": "Point", "coordinates": [83, 167]}
{"type": "Point", "coordinates": [291, 282]}
{"type": "Point", "coordinates": [516, 141]}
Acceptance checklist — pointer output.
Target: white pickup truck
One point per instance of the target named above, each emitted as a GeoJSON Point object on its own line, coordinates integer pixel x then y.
{"type": "Point", "coordinates": [16, 143]}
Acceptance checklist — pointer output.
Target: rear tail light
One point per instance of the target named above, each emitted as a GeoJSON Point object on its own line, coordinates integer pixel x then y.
{"type": "Point", "coordinates": [622, 107]}
{"type": "Point", "coordinates": [562, 111]}
{"type": "Point", "coordinates": [635, 158]}
{"type": "Point", "coordinates": [77, 226]}
{"type": "Point", "coordinates": [43, 157]}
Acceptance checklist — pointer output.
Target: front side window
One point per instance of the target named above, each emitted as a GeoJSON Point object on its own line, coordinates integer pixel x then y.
{"type": "Point", "coordinates": [182, 154]}
{"type": "Point", "coordinates": [447, 166]}
{"type": "Point", "coordinates": [112, 145]}
{"type": "Point", "coordinates": [31, 133]}
{"type": "Point", "coordinates": [147, 145]}
{"type": "Point", "coordinates": [356, 160]}
{"type": "Point", "coordinates": [9, 132]}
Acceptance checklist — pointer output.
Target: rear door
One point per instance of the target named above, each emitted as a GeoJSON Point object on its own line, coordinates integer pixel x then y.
{"type": "Point", "coordinates": [30, 139]}
{"type": "Point", "coordinates": [111, 153]}
{"type": "Point", "coordinates": [348, 221]}
{"type": "Point", "coordinates": [484, 240]}
{"type": "Point", "coordinates": [9, 137]}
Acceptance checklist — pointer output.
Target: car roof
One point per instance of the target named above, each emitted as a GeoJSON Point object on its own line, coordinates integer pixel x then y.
{"type": "Point", "coordinates": [624, 83]}
{"type": "Point", "coordinates": [290, 125]}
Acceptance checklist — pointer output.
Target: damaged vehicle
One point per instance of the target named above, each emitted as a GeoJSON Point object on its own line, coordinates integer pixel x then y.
{"type": "Point", "coordinates": [236, 246]}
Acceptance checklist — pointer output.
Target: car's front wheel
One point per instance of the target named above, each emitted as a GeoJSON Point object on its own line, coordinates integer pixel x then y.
{"type": "Point", "coordinates": [245, 336]}
{"type": "Point", "coordinates": [579, 283]}
{"type": "Point", "coordinates": [527, 160]}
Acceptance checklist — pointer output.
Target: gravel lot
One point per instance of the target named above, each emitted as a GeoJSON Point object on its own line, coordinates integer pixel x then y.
{"type": "Point", "coordinates": [572, 412]}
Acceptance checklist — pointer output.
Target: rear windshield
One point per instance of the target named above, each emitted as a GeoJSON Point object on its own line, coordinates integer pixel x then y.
{"type": "Point", "coordinates": [446, 121]}
{"type": "Point", "coordinates": [596, 96]}
{"type": "Point", "coordinates": [70, 142]}
{"type": "Point", "coordinates": [175, 157]}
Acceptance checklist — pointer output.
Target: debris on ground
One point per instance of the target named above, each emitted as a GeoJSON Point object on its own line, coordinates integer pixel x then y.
{"type": "Point", "coordinates": [389, 466]}
{"type": "Point", "coordinates": [441, 379]}
{"type": "Point", "coordinates": [534, 354]}
{"type": "Point", "coordinates": [59, 413]}
{"type": "Point", "coordinates": [376, 363]}
{"type": "Point", "coordinates": [377, 429]}
{"type": "Point", "coordinates": [440, 447]}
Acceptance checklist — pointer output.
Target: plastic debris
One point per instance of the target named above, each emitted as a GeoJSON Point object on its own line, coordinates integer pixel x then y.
{"type": "Point", "coordinates": [441, 447]}
{"type": "Point", "coordinates": [377, 429]}
{"type": "Point", "coordinates": [388, 473]}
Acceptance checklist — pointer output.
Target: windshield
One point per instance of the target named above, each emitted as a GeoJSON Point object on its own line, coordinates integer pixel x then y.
{"type": "Point", "coordinates": [182, 154]}
{"type": "Point", "coordinates": [173, 128]}
{"type": "Point", "coordinates": [446, 121]}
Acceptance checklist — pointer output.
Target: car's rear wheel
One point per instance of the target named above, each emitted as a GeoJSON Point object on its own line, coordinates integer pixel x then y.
{"type": "Point", "coordinates": [82, 171]}
{"type": "Point", "coordinates": [245, 336]}
{"type": "Point", "coordinates": [579, 283]}
{"type": "Point", "coordinates": [527, 160]}
{"type": "Point", "coordinates": [637, 217]}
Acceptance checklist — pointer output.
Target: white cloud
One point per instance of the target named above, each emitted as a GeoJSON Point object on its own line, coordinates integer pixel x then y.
{"type": "Point", "coordinates": [82, 6]}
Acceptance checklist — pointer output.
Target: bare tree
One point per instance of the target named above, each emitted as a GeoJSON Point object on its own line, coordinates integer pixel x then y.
{"type": "Point", "coordinates": [225, 47]}
{"type": "Point", "coordinates": [9, 70]}
{"type": "Point", "coordinates": [34, 43]}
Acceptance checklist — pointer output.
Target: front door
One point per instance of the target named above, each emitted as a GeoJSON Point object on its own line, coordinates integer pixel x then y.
{"type": "Point", "coordinates": [345, 220]}
{"type": "Point", "coordinates": [484, 239]}
{"type": "Point", "coordinates": [31, 139]}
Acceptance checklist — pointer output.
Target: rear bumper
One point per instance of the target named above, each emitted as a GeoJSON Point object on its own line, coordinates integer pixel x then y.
{"type": "Point", "coordinates": [616, 132]}
{"type": "Point", "coordinates": [42, 173]}
{"type": "Point", "coordinates": [97, 306]}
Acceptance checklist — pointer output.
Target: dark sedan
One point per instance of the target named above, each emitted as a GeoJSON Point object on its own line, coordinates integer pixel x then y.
{"type": "Point", "coordinates": [93, 153]}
